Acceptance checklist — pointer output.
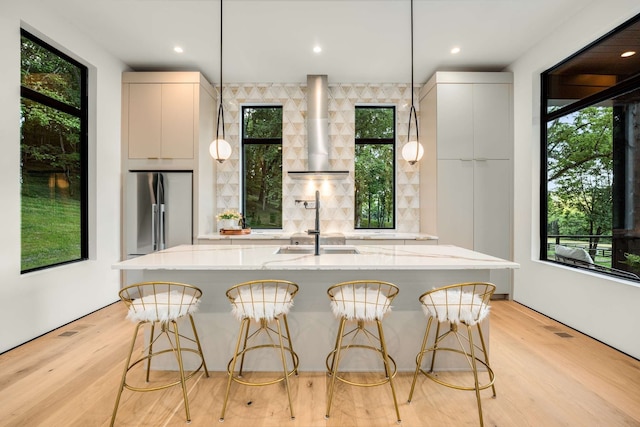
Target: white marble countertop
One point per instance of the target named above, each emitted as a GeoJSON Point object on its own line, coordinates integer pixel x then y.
{"type": "Point", "coordinates": [280, 235]}
{"type": "Point", "coordinates": [264, 257]}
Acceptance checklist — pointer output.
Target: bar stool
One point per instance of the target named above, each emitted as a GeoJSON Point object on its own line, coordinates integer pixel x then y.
{"type": "Point", "coordinates": [362, 302]}
{"type": "Point", "coordinates": [265, 302]}
{"type": "Point", "coordinates": [161, 305]}
{"type": "Point", "coordinates": [462, 307]}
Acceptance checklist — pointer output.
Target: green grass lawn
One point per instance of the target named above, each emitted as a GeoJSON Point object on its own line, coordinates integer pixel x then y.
{"type": "Point", "coordinates": [50, 228]}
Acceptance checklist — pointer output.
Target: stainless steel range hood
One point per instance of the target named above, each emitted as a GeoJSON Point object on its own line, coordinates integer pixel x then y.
{"type": "Point", "coordinates": [318, 132]}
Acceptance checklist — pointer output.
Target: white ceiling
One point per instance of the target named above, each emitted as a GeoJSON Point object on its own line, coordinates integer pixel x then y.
{"type": "Point", "coordinates": [272, 40]}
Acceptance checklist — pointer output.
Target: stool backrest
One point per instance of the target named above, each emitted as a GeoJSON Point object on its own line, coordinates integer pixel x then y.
{"type": "Point", "coordinates": [362, 299]}
{"type": "Point", "coordinates": [466, 303]}
{"type": "Point", "coordinates": [262, 299]}
{"type": "Point", "coordinates": [160, 301]}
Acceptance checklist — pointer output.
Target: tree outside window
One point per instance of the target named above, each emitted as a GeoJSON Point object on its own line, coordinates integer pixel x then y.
{"type": "Point", "coordinates": [591, 156]}
{"type": "Point", "coordinates": [52, 157]}
{"type": "Point", "coordinates": [374, 167]}
{"type": "Point", "coordinates": [262, 166]}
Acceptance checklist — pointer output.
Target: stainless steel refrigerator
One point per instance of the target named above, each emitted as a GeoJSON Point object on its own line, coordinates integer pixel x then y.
{"type": "Point", "coordinates": [158, 211]}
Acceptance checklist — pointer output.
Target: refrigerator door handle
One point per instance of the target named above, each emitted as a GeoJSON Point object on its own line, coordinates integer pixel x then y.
{"type": "Point", "coordinates": [154, 227]}
{"type": "Point", "coordinates": [161, 237]}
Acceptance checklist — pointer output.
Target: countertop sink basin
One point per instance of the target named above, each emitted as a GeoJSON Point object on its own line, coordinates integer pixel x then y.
{"type": "Point", "coordinates": [309, 249]}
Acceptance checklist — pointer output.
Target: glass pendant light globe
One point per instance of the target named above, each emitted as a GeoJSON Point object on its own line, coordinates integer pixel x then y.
{"type": "Point", "coordinates": [220, 150]}
{"type": "Point", "coordinates": [411, 153]}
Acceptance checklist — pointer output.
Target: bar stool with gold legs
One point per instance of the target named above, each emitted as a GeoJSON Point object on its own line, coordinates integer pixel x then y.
{"type": "Point", "coordinates": [362, 302]}
{"type": "Point", "coordinates": [264, 302]}
{"type": "Point", "coordinates": [161, 305]}
{"type": "Point", "coordinates": [462, 307]}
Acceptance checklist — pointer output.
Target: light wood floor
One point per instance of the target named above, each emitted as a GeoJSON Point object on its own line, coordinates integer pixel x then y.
{"type": "Point", "coordinates": [543, 377]}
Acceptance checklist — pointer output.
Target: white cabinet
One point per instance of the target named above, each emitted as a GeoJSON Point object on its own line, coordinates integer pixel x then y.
{"type": "Point", "coordinates": [466, 176]}
{"type": "Point", "coordinates": [161, 114]}
{"type": "Point", "coordinates": [161, 120]}
{"type": "Point", "coordinates": [168, 124]}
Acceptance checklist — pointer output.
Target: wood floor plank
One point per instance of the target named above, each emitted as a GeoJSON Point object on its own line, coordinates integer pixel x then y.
{"type": "Point", "coordinates": [546, 375]}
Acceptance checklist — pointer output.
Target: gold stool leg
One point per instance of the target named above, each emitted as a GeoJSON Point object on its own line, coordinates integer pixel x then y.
{"type": "Point", "coordinates": [286, 327]}
{"type": "Point", "coordinates": [244, 346]}
{"type": "Point", "coordinates": [285, 371]}
{"type": "Point", "coordinates": [486, 359]}
{"type": "Point", "coordinates": [244, 323]}
{"type": "Point", "coordinates": [475, 373]}
{"type": "Point", "coordinates": [387, 367]}
{"type": "Point", "coordinates": [334, 365]}
{"type": "Point", "coordinates": [124, 374]}
{"type": "Point", "coordinates": [150, 349]}
{"type": "Point", "coordinates": [435, 345]}
{"type": "Point", "coordinates": [419, 358]}
{"type": "Point", "coordinates": [178, 353]}
{"type": "Point", "coordinates": [197, 339]}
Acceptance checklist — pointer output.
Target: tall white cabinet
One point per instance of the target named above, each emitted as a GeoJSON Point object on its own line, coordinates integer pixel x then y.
{"type": "Point", "coordinates": [466, 176]}
{"type": "Point", "coordinates": [168, 123]}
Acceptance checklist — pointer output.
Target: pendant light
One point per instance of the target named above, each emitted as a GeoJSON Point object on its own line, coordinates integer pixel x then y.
{"type": "Point", "coordinates": [220, 148]}
{"type": "Point", "coordinates": [412, 152]}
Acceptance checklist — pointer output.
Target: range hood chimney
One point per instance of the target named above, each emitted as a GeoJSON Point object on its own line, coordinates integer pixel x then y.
{"type": "Point", "coordinates": [318, 132]}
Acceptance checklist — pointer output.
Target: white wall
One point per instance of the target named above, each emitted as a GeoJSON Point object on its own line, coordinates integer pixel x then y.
{"type": "Point", "coordinates": [35, 303]}
{"type": "Point", "coordinates": [605, 309]}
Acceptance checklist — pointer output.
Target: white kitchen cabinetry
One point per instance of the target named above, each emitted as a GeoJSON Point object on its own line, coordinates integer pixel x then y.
{"type": "Point", "coordinates": [168, 124]}
{"type": "Point", "coordinates": [162, 115]}
{"type": "Point", "coordinates": [466, 176]}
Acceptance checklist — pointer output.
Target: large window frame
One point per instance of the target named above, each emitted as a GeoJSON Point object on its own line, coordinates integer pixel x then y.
{"type": "Point", "coordinates": [376, 140]}
{"type": "Point", "coordinates": [594, 83]}
{"type": "Point", "coordinates": [77, 245]}
{"type": "Point", "coordinates": [274, 140]}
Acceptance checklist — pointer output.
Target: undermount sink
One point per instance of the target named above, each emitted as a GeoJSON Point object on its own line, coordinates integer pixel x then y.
{"type": "Point", "coordinates": [309, 249]}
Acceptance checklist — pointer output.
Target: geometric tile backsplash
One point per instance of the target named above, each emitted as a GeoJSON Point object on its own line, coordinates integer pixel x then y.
{"type": "Point", "coordinates": [337, 197]}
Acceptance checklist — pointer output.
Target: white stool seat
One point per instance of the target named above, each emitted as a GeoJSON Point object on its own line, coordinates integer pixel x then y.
{"type": "Point", "coordinates": [360, 303]}
{"type": "Point", "coordinates": [455, 306]}
{"type": "Point", "coordinates": [260, 302]}
{"type": "Point", "coordinates": [162, 307]}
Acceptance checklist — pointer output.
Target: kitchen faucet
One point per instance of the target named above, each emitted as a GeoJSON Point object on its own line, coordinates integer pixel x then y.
{"type": "Point", "coordinates": [316, 231]}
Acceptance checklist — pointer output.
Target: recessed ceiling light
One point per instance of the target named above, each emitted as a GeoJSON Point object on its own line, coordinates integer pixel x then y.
{"type": "Point", "coordinates": [317, 49]}
{"type": "Point", "coordinates": [178, 49]}
{"type": "Point", "coordinates": [628, 53]}
{"type": "Point", "coordinates": [455, 50]}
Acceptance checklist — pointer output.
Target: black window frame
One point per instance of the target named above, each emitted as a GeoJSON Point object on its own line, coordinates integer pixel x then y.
{"type": "Point", "coordinates": [83, 114]}
{"type": "Point", "coordinates": [381, 141]}
{"type": "Point", "coordinates": [624, 86]}
{"type": "Point", "coordinates": [257, 141]}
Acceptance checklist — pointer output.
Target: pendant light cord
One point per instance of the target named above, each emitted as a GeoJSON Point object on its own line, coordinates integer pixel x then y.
{"type": "Point", "coordinates": [220, 109]}
{"type": "Point", "coordinates": [412, 112]}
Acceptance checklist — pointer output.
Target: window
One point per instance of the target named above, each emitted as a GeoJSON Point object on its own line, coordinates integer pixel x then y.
{"type": "Point", "coordinates": [53, 156]}
{"type": "Point", "coordinates": [591, 153]}
{"type": "Point", "coordinates": [262, 166]}
{"type": "Point", "coordinates": [375, 167]}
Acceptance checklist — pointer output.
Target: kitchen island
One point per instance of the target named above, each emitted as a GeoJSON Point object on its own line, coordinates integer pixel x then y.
{"type": "Point", "coordinates": [215, 268]}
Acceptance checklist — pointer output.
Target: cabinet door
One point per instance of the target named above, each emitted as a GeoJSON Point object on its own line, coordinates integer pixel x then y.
{"type": "Point", "coordinates": [177, 121]}
{"type": "Point", "coordinates": [492, 215]}
{"type": "Point", "coordinates": [144, 120]}
{"type": "Point", "coordinates": [455, 121]}
{"type": "Point", "coordinates": [492, 121]}
{"type": "Point", "coordinates": [455, 203]}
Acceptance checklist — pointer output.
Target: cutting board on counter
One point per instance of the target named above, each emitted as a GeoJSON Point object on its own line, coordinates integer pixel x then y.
{"type": "Point", "coordinates": [235, 232]}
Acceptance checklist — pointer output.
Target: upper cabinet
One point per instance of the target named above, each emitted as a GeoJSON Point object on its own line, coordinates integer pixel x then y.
{"type": "Point", "coordinates": [473, 111]}
{"type": "Point", "coordinates": [162, 115]}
